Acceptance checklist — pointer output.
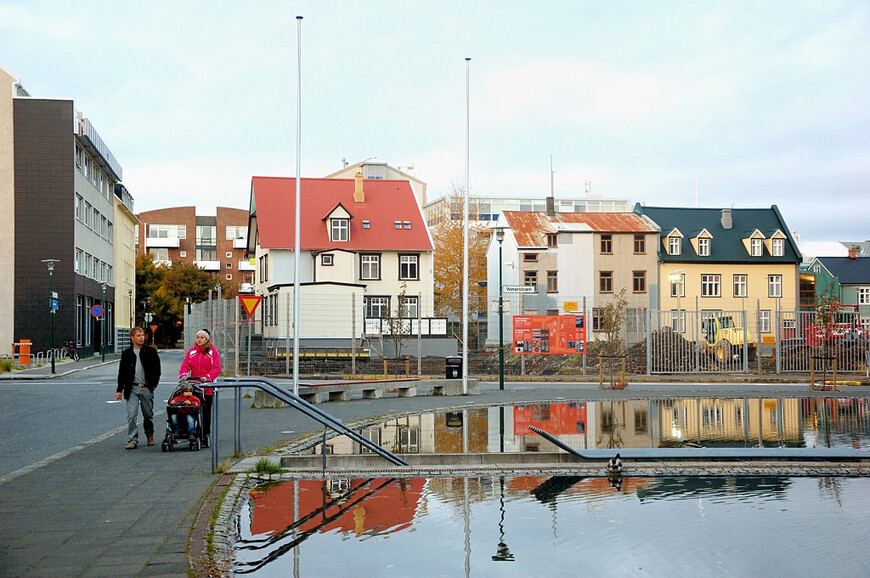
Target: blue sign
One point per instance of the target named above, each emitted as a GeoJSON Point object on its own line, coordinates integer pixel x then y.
{"type": "Point", "coordinates": [54, 305]}
{"type": "Point", "coordinates": [97, 310]}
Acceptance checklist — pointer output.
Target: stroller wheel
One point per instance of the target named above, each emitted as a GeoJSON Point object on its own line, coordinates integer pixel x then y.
{"type": "Point", "coordinates": [164, 446]}
{"type": "Point", "coordinates": [194, 446]}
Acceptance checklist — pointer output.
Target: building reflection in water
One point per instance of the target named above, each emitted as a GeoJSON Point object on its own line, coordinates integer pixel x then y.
{"type": "Point", "coordinates": [716, 422]}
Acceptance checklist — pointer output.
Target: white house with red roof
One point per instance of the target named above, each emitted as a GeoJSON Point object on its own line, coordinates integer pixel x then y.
{"type": "Point", "coordinates": [364, 247]}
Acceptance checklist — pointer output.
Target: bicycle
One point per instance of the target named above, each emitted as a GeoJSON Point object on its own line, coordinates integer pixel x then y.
{"type": "Point", "coordinates": [71, 351]}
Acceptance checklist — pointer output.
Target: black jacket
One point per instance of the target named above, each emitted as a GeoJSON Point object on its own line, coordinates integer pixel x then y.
{"type": "Point", "coordinates": [127, 369]}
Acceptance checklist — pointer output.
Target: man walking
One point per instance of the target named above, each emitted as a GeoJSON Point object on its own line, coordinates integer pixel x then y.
{"type": "Point", "coordinates": [138, 375]}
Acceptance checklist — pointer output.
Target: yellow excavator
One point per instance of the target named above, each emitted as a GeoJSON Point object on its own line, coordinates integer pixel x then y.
{"type": "Point", "coordinates": [723, 339]}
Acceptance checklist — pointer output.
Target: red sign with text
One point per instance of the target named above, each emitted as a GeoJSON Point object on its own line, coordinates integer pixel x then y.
{"type": "Point", "coordinates": [538, 334]}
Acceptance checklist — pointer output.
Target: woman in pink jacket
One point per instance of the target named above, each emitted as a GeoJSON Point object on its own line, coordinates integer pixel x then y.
{"type": "Point", "coordinates": [202, 362]}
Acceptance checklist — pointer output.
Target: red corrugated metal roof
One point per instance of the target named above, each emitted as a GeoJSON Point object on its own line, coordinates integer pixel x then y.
{"type": "Point", "coordinates": [386, 202]}
{"type": "Point", "coordinates": [530, 227]}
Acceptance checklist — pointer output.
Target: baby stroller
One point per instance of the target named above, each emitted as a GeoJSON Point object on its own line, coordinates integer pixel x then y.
{"type": "Point", "coordinates": [170, 439]}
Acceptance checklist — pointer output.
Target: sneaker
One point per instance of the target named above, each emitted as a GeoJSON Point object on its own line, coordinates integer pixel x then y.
{"type": "Point", "coordinates": [150, 440]}
{"type": "Point", "coordinates": [131, 446]}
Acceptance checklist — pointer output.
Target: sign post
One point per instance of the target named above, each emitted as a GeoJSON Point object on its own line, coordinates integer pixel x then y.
{"type": "Point", "coordinates": [250, 303]}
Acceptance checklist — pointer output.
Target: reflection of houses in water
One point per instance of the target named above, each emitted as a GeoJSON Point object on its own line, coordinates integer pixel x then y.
{"type": "Point", "coordinates": [363, 507]}
{"type": "Point", "coordinates": [833, 421]}
{"type": "Point", "coordinates": [567, 421]}
{"type": "Point", "coordinates": [726, 421]}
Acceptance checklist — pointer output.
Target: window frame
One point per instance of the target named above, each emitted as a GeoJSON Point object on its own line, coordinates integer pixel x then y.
{"type": "Point", "coordinates": [737, 283]}
{"type": "Point", "coordinates": [606, 244]}
{"type": "Point", "coordinates": [552, 281]}
{"type": "Point", "coordinates": [605, 281]}
{"type": "Point", "coordinates": [711, 285]}
{"type": "Point", "coordinates": [638, 281]}
{"type": "Point", "coordinates": [675, 245]}
{"type": "Point", "coordinates": [640, 244]}
{"type": "Point", "coordinates": [863, 295]}
{"type": "Point", "coordinates": [682, 285]}
{"type": "Point", "coordinates": [756, 247]}
{"type": "Point", "coordinates": [774, 286]}
{"type": "Point", "coordinates": [777, 247]}
{"type": "Point", "coordinates": [367, 262]}
{"type": "Point", "coordinates": [339, 230]}
{"type": "Point", "coordinates": [383, 306]}
{"type": "Point", "coordinates": [530, 275]}
{"type": "Point", "coordinates": [704, 246]}
{"type": "Point", "coordinates": [413, 269]}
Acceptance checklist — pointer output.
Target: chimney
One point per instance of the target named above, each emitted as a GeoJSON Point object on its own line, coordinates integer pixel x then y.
{"type": "Point", "coordinates": [551, 207]}
{"type": "Point", "coordinates": [359, 195]}
{"type": "Point", "coordinates": [726, 218]}
{"type": "Point", "coordinates": [853, 253]}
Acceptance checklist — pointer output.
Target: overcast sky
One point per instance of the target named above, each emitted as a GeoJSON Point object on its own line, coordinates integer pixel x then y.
{"type": "Point", "coordinates": [743, 104]}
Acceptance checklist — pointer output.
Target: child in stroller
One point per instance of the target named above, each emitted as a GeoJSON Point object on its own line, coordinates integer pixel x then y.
{"type": "Point", "coordinates": [184, 416]}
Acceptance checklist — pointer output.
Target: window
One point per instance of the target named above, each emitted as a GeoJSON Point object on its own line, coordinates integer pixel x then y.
{"type": "Point", "coordinates": [639, 244]}
{"type": "Point", "coordinates": [406, 224]}
{"type": "Point", "coordinates": [110, 233]}
{"type": "Point", "coordinates": [206, 255]}
{"type": "Point", "coordinates": [597, 315]}
{"type": "Point", "coordinates": [182, 254]}
{"type": "Point", "coordinates": [340, 230]}
{"type": "Point", "coordinates": [638, 282]}
{"type": "Point", "coordinates": [377, 307]}
{"type": "Point", "coordinates": [167, 231]}
{"type": "Point", "coordinates": [228, 254]}
{"type": "Point", "coordinates": [740, 286]}
{"type": "Point", "coordinates": [79, 156]}
{"type": "Point", "coordinates": [774, 285]}
{"type": "Point", "coordinates": [704, 246]}
{"type": "Point", "coordinates": [777, 247]}
{"type": "Point", "coordinates": [236, 232]}
{"type": "Point", "coordinates": [159, 253]}
{"type": "Point", "coordinates": [755, 246]}
{"type": "Point", "coordinates": [607, 243]}
{"type": "Point", "coordinates": [80, 262]}
{"type": "Point", "coordinates": [370, 267]}
{"type": "Point", "coordinates": [87, 166]}
{"type": "Point", "coordinates": [678, 285]}
{"type": "Point", "coordinates": [552, 240]}
{"type": "Point", "coordinates": [367, 224]}
{"type": "Point", "coordinates": [80, 207]}
{"type": "Point", "coordinates": [206, 235]}
{"type": "Point", "coordinates": [674, 247]}
{"type": "Point", "coordinates": [863, 295]}
{"type": "Point", "coordinates": [229, 276]}
{"type": "Point", "coordinates": [605, 281]}
{"type": "Point", "coordinates": [530, 257]}
{"type": "Point", "coordinates": [326, 260]}
{"type": "Point", "coordinates": [711, 285]}
{"type": "Point", "coordinates": [764, 321]}
{"type": "Point", "coordinates": [552, 282]}
{"type": "Point", "coordinates": [530, 278]}
{"type": "Point", "coordinates": [408, 269]}
{"type": "Point", "coordinates": [397, 224]}
{"type": "Point", "coordinates": [678, 320]}
{"type": "Point", "coordinates": [229, 266]}
{"type": "Point", "coordinates": [88, 212]}
{"type": "Point", "coordinates": [409, 307]}
{"type": "Point", "coordinates": [264, 268]}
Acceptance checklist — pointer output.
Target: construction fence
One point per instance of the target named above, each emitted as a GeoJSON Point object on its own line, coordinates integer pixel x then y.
{"type": "Point", "coordinates": [340, 336]}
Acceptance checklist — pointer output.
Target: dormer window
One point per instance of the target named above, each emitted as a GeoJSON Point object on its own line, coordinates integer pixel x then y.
{"type": "Point", "coordinates": [704, 246]}
{"type": "Point", "coordinates": [367, 224]}
{"type": "Point", "coordinates": [406, 224]}
{"type": "Point", "coordinates": [674, 245]}
{"type": "Point", "coordinates": [777, 247]}
{"type": "Point", "coordinates": [755, 247]}
{"type": "Point", "coordinates": [398, 224]}
{"type": "Point", "coordinates": [339, 229]}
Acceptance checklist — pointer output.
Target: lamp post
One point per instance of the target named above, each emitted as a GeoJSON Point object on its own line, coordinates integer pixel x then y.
{"type": "Point", "coordinates": [52, 300]}
{"type": "Point", "coordinates": [499, 236]}
{"type": "Point", "coordinates": [132, 313]}
{"type": "Point", "coordinates": [103, 326]}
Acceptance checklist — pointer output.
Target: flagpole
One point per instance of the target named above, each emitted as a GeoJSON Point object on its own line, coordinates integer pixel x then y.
{"type": "Point", "coordinates": [297, 245]}
{"type": "Point", "coordinates": [465, 244]}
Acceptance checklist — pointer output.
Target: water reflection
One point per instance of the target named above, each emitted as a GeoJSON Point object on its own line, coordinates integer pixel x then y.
{"type": "Point", "coordinates": [720, 422]}
{"type": "Point", "coordinates": [555, 526]}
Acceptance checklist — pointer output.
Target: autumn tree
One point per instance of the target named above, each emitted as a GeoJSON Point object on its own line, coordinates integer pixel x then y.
{"type": "Point", "coordinates": [448, 236]}
{"type": "Point", "coordinates": [163, 292]}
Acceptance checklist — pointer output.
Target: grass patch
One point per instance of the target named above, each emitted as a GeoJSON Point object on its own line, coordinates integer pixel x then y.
{"type": "Point", "coordinates": [6, 365]}
{"type": "Point", "coordinates": [266, 466]}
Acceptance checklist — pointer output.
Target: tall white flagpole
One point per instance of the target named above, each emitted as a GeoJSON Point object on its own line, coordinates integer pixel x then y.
{"type": "Point", "coordinates": [297, 244]}
{"type": "Point", "coordinates": [465, 242]}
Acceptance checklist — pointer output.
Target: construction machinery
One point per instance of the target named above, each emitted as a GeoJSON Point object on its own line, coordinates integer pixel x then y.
{"type": "Point", "coordinates": [724, 338]}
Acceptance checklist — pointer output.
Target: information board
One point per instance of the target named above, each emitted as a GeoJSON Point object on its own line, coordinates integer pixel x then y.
{"type": "Point", "coordinates": [537, 334]}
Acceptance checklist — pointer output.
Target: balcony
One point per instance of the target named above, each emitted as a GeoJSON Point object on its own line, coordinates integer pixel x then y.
{"type": "Point", "coordinates": [162, 242]}
{"type": "Point", "coordinates": [240, 243]}
{"type": "Point", "coordinates": [247, 265]}
{"type": "Point", "coordinates": [208, 265]}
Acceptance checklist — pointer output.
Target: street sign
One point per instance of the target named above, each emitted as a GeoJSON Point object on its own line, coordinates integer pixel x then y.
{"type": "Point", "coordinates": [96, 311]}
{"type": "Point", "coordinates": [54, 305]}
{"type": "Point", "coordinates": [148, 317]}
{"type": "Point", "coordinates": [519, 289]}
{"type": "Point", "coordinates": [250, 302]}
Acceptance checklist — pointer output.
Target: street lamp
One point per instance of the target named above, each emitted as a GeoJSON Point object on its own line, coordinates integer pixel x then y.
{"type": "Point", "coordinates": [503, 553]}
{"type": "Point", "coordinates": [103, 325]}
{"type": "Point", "coordinates": [52, 303]}
{"type": "Point", "coordinates": [499, 236]}
{"type": "Point", "coordinates": [132, 313]}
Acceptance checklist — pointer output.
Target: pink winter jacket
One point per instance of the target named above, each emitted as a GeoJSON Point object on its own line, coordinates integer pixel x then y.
{"type": "Point", "coordinates": [206, 366]}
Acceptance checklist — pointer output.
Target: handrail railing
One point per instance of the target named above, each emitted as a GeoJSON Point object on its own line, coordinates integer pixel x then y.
{"type": "Point", "coordinates": [295, 402]}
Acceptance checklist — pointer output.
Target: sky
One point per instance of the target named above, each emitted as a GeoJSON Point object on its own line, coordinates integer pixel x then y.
{"type": "Point", "coordinates": [726, 104]}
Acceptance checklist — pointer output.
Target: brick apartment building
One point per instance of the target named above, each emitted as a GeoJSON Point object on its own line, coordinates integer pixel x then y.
{"type": "Point", "coordinates": [214, 243]}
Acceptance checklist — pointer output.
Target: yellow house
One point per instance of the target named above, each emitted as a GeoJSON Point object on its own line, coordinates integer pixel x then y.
{"type": "Point", "coordinates": [719, 260]}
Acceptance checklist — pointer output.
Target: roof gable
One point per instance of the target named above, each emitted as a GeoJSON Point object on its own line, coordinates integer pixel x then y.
{"type": "Point", "coordinates": [530, 227]}
{"type": "Point", "coordinates": [728, 245]}
{"type": "Point", "coordinates": [848, 271]}
{"type": "Point", "coordinates": [273, 202]}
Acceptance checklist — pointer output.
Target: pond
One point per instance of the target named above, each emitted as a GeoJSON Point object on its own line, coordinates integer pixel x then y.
{"type": "Point", "coordinates": [542, 525]}
{"type": "Point", "coordinates": [556, 526]}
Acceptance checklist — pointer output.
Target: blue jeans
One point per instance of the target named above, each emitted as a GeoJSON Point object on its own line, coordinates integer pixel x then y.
{"type": "Point", "coordinates": [191, 424]}
{"type": "Point", "coordinates": [140, 395]}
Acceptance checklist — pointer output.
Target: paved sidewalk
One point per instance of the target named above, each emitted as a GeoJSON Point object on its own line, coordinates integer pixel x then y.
{"type": "Point", "coordinates": [104, 511]}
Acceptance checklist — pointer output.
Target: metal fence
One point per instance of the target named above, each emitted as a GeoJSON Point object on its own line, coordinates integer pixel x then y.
{"type": "Point", "coordinates": [699, 342]}
{"type": "Point", "coordinates": [799, 339]}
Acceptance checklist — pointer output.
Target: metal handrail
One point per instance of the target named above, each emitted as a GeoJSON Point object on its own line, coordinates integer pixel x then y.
{"type": "Point", "coordinates": [295, 402]}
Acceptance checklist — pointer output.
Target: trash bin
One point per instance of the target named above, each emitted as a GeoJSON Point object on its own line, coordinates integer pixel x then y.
{"type": "Point", "coordinates": [453, 367]}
